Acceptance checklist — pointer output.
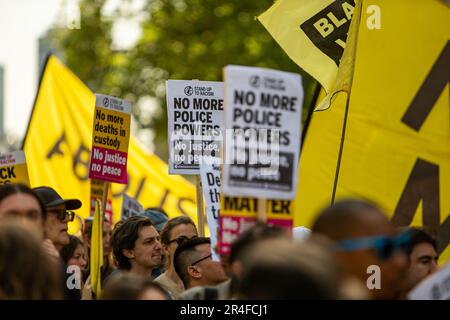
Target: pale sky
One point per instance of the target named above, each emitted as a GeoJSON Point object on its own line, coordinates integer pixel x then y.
{"type": "Point", "coordinates": [22, 22]}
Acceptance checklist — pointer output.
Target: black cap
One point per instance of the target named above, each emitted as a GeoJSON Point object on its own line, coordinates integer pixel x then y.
{"type": "Point", "coordinates": [51, 198]}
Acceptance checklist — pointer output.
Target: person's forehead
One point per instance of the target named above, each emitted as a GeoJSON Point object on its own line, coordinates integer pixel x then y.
{"type": "Point", "coordinates": [183, 230]}
{"type": "Point", "coordinates": [424, 248]}
{"type": "Point", "coordinates": [20, 200]}
{"type": "Point", "coordinates": [79, 248]}
{"type": "Point", "coordinates": [147, 232]}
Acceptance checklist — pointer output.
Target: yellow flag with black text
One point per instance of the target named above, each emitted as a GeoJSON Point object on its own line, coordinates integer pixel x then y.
{"type": "Point", "coordinates": [58, 143]}
{"type": "Point", "coordinates": [396, 149]}
{"type": "Point", "coordinates": [313, 33]}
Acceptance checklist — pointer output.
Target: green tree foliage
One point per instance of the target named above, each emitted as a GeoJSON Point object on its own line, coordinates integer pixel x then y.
{"type": "Point", "coordinates": [181, 39]}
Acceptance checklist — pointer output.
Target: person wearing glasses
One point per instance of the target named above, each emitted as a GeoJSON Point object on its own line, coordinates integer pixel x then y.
{"type": "Point", "coordinates": [176, 231]}
{"type": "Point", "coordinates": [364, 240]}
{"type": "Point", "coordinates": [59, 214]}
{"type": "Point", "coordinates": [194, 265]}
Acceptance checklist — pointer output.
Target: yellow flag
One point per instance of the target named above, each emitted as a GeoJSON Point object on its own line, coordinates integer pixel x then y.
{"type": "Point", "coordinates": [396, 150]}
{"type": "Point", "coordinates": [96, 258]}
{"type": "Point", "coordinates": [57, 146]}
{"type": "Point", "coordinates": [313, 33]}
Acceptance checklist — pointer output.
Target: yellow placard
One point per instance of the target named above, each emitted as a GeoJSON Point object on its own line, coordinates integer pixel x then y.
{"type": "Point", "coordinates": [13, 168]}
{"type": "Point", "coordinates": [111, 125]}
{"type": "Point", "coordinates": [248, 207]}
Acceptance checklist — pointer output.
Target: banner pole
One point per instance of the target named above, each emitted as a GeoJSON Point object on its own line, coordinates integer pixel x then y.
{"type": "Point", "coordinates": [200, 215]}
{"type": "Point", "coordinates": [105, 200]}
{"type": "Point", "coordinates": [262, 210]}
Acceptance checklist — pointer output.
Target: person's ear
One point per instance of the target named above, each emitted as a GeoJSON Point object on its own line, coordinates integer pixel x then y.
{"type": "Point", "coordinates": [165, 249]}
{"type": "Point", "coordinates": [194, 272]}
{"type": "Point", "coordinates": [129, 253]}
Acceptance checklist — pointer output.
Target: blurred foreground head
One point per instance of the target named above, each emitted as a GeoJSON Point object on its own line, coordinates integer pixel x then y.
{"type": "Point", "coordinates": [286, 269]}
{"type": "Point", "coordinates": [129, 286]}
{"type": "Point", "coordinates": [365, 239]}
{"type": "Point", "coordinates": [26, 271]}
{"type": "Point", "coordinates": [19, 202]}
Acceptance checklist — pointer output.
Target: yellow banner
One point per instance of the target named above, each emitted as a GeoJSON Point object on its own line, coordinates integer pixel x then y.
{"type": "Point", "coordinates": [13, 168]}
{"type": "Point", "coordinates": [57, 146]}
{"type": "Point", "coordinates": [397, 142]}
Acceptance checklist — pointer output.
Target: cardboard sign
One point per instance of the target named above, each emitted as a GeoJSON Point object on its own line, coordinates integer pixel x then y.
{"type": "Point", "coordinates": [239, 214]}
{"type": "Point", "coordinates": [263, 128]}
{"type": "Point", "coordinates": [97, 189]}
{"type": "Point", "coordinates": [13, 168]}
{"type": "Point", "coordinates": [109, 154]}
{"type": "Point", "coordinates": [210, 177]}
{"type": "Point", "coordinates": [436, 287]}
{"type": "Point", "coordinates": [130, 207]}
{"type": "Point", "coordinates": [195, 113]}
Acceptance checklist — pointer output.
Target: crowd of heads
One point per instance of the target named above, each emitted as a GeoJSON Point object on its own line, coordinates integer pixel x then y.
{"type": "Point", "coordinates": [153, 257]}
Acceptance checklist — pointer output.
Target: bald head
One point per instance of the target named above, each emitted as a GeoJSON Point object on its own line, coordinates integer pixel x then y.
{"type": "Point", "coordinates": [352, 219]}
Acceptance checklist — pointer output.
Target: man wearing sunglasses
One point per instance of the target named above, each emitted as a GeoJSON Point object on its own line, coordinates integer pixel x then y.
{"type": "Point", "coordinates": [365, 237]}
{"type": "Point", "coordinates": [194, 265]}
{"type": "Point", "coordinates": [176, 231]}
{"type": "Point", "coordinates": [59, 214]}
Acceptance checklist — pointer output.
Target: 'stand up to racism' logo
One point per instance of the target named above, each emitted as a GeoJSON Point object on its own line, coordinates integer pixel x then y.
{"type": "Point", "coordinates": [188, 90]}
{"type": "Point", "coordinates": [105, 101]}
{"type": "Point", "coordinates": [255, 81]}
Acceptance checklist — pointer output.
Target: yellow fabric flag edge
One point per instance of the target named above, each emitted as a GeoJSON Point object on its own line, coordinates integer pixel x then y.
{"type": "Point", "coordinates": [344, 77]}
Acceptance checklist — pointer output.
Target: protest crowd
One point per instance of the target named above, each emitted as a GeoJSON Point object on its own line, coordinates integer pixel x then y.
{"type": "Point", "coordinates": [350, 203]}
{"type": "Point", "coordinates": [154, 260]}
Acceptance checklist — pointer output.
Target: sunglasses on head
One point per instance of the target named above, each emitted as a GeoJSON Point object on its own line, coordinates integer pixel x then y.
{"type": "Point", "coordinates": [200, 260]}
{"type": "Point", "coordinates": [384, 246]}
{"type": "Point", "coordinates": [62, 214]}
{"type": "Point", "coordinates": [181, 239]}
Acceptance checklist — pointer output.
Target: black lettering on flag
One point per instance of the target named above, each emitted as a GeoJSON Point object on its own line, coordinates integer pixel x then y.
{"type": "Point", "coordinates": [423, 186]}
{"type": "Point", "coordinates": [56, 149]}
{"type": "Point", "coordinates": [429, 92]}
{"type": "Point", "coordinates": [81, 159]}
{"type": "Point", "coordinates": [328, 28]}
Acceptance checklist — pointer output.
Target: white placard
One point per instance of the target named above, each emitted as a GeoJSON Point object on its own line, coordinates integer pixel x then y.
{"type": "Point", "coordinates": [436, 287]}
{"type": "Point", "coordinates": [130, 207]}
{"type": "Point", "coordinates": [210, 177]}
{"type": "Point", "coordinates": [263, 107]}
{"type": "Point", "coordinates": [195, 114]}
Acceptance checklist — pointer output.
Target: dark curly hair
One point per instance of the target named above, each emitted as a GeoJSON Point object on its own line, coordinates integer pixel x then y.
{"type": "Point", "coordinates": [124, 237]}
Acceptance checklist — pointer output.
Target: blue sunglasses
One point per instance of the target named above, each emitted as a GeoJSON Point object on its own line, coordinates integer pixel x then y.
{"type": "Point", "coordinates": [385, 246]}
